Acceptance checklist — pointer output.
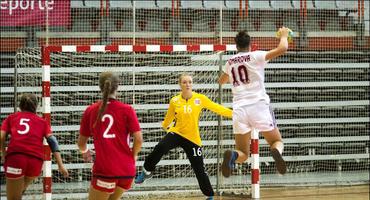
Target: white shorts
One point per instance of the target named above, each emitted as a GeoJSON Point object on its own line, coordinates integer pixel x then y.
{"type": "Point", "coordinates": [258, 115]}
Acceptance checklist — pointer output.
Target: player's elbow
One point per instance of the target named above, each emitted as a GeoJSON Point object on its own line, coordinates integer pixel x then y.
{"type": "Point", "coordinates": [223, 79]}
{"type": "Point", "coordinates": [165, 125]}
{"type": "Point", "coordinates": [53, 143]}
{"type": "Point", "coordinates": [281, 50]}
{"type": "Point", "coordinates": [138, 138]}
{"type": "Point", "coordinates": [220, 81]}
{"type": "Point", "coordinates": [81, 143]}
{"type": "Point", "coordinates": [284, 49]}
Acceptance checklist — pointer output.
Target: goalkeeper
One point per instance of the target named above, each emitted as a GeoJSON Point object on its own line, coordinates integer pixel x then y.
{"type": "Point", "coordinates": [181, 123]}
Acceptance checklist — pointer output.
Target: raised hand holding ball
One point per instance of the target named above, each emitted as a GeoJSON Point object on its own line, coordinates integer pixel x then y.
{"type": "Point", "coordinates": [285, 32]}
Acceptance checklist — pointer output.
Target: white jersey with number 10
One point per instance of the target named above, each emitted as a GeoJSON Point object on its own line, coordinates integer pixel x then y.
{"type": "Point", "coordinates": [247, 76]}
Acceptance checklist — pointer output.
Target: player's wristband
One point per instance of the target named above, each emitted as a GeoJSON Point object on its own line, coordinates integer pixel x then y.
{"type": "Point", "coordinates": [84, 151]}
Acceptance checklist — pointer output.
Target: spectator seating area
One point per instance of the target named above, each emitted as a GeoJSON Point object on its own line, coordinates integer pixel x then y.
{"type": "Point", "coordinates": [328, 25]}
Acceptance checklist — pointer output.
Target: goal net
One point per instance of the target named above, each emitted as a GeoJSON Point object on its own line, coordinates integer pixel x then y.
{"type": "Point", "coordinates": [148, 81]}
{"type": "Point", "coordinates": [322, 111]}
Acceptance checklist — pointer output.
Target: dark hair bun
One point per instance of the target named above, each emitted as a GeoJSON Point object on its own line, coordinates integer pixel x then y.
{"type": "Point", "coordinates": [242, 40]}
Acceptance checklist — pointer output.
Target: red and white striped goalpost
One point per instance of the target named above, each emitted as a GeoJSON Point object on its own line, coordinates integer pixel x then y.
{"type": "Point", "coordinates": [255, 164]}
{"type": "Point", "coordinates": [45, 60]}
{"type": "Point", "coordinates": [46, 169]}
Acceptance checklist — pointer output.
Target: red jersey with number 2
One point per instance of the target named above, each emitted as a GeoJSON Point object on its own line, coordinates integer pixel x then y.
{"type": "Point", "coordinates": [111, 135]}
{"type": "Point", "coordinates": [27, 131]}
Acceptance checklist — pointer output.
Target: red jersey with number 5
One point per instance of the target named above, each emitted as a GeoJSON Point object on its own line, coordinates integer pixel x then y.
{"type": "Point", "coordinates": [111, 135]}
{"type": "Point", "coordinates": [27, 131]}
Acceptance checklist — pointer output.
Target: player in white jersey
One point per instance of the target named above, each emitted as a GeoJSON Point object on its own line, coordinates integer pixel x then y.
{"type": "Point", "coordinates": [251, 104]}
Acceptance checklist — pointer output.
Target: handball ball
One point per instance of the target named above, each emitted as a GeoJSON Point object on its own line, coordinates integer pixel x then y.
{"type": "Point", "coordinates": [290, 35]}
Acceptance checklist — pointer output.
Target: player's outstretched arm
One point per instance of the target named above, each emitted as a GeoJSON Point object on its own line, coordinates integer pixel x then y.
{"type": "Point", "coordinates": [217, 108]}
{"type": "Point", "coordinates": [282, 47]}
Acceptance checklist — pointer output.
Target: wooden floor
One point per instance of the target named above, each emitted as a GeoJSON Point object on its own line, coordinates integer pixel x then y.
{"type": "Point", "coordinates": [360, 192]}
{"type": "Point", "coordinates": [299, 193]}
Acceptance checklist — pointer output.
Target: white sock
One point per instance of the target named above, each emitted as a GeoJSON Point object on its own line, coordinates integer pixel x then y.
{"type": "Point", "coordinates": [279, 146]}
{"type": "Point", "coordinates": [280, 151]}
{"type": "Point", "coordinates": [146, 172]}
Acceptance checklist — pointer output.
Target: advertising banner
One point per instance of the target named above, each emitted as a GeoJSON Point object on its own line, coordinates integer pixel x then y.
{"type": "Point", "coordinates": [35, 12]}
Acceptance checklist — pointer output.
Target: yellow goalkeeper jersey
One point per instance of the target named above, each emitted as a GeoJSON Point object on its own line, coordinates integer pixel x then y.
{"type": "Point", "coordinates": [183, 115]}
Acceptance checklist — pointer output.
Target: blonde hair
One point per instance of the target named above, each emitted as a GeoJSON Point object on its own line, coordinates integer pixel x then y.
{"type": "Point", "coordinates": [183, 75]}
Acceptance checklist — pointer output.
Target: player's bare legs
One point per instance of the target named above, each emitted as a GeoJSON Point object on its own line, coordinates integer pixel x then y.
{"type": "Point", "coordinates": [95, 194]}
{"type": "Point", "coordinates": [27, 182]}
{"type": "Point", "coordinates": [240, 155]}
{"type": "Point", "coordinates": [273, 138]}
{"type": "Point", "coordinates": [242, 145]}
{"type": "Point", "coordinates": [14, 188]}
{"type": "Point", "coordinates": [117, 193]}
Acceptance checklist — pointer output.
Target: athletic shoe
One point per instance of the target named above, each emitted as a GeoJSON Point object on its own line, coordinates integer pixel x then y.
{"type": "Point", "coordinates": [228, 163]}
{"type": "Point", "coordinates": [209, 198]}
{"type": "Point", "coordinates": [142, 177]}
{"type": "Point", "coordinates": [279, 161]}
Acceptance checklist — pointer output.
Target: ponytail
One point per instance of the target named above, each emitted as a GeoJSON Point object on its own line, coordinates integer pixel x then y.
{"type": "Point", "coordinates": [108, 83]}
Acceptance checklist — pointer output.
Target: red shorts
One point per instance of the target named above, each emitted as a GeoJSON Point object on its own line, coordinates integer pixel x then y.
{"type": "Point", "coordinates": [19, 165]}
{"type": "Point", "coordinates": [109, 185]}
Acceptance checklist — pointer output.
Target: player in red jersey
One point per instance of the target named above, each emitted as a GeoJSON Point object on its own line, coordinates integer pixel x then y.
{"type": "Point", "coordinates": [25, 153]}
{"type": "Point", "coordinates": [110, 123]}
